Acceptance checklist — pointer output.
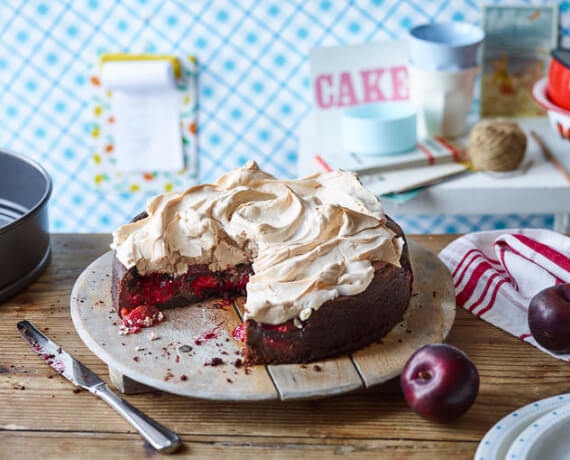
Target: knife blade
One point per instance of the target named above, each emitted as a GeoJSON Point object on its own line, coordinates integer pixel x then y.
{"type": "Point", "coordinates": [56, 357]}
{"type": "Point", "coordinates": [158, 436]}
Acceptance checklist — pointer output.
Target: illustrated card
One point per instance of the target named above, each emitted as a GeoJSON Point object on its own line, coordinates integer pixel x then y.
{"type": "Point", "coordinates": [516, 53]}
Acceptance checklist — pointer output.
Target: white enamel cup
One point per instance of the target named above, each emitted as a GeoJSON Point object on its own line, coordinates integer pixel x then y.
{"type": "Point", "coordinates": [442, 100]}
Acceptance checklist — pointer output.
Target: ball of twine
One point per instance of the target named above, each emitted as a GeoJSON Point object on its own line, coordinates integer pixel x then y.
{"type": "Point", "coordinates": [496, 145]}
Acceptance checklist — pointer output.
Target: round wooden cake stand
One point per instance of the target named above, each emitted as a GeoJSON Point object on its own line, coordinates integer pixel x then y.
{"type": "Point", "coordinates": [209, 366]}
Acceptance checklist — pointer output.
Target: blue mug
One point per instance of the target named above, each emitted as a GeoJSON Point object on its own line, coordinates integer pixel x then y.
{"type": "Point", "coordinates": [445, 46]}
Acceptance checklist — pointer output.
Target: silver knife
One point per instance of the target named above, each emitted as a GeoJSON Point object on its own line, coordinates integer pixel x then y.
{"type": "Point", "coordinates": [159, 437]}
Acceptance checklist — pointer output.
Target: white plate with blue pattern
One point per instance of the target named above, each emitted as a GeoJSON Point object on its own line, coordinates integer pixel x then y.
{"type": "Point", "coordinates": [496, 443]}
{"type": "Point", "coordinates": [545, 438]}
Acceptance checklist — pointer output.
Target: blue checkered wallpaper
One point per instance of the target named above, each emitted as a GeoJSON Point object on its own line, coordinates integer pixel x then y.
{"type": "Point", "coordinates": [254, 84]}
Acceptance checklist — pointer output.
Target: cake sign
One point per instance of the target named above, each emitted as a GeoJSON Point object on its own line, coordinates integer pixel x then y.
{"type": "Point", "coordinates": [342, 91]}
{"type": "Point", "coordinates": [342, 76]}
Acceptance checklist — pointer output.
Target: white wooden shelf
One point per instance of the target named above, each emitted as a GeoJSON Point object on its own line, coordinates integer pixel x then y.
{"type": "Point", "coordinates": [542, 189]}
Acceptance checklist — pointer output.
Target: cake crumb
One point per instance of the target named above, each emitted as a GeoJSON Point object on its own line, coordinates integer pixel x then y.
{"type": "Point", "coordinates": [135, 358]}
{"type": "Point", "coordinates": [76, 390]}
{"type": "Point", "coordinates": [165, 352]}
{"type": "Point", "coordinates": [214, 362]}
{"type": "Point", "coordinates": [139, 348]}
{"type": "Point", "coordinates": [317, 368]}
{"type": "Point", "coordinates": [238, 363]}
{"type": "Point", "coordinates": [434, 293]}
{"type": "Point", "coordinates": [154, 336]}
{"type": "Point", "coordinates": [183, 378]}
{"type": "Point", "coordinates": [229, 381]}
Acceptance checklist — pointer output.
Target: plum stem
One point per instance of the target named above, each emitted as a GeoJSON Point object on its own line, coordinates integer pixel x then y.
{"type": "Point", "coordinates": [425, 375]}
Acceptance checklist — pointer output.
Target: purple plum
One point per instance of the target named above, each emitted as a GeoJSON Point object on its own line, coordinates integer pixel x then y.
{"type": "Point", "coordinates": [440, 382]}
{"type": "Point", "coordinates": [549, 318]}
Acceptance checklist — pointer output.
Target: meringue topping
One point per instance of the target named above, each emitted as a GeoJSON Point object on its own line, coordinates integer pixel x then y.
{"type": "Point", "coordinates": [309, 240]}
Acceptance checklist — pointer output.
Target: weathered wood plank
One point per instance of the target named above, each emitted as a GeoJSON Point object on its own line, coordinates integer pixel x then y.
{"type": "Point", "coordinates": [18, 445]}
{"type": "Point", "coordinates": [378, 411]}
{"type": "Point", "coordinates": [315, 380]}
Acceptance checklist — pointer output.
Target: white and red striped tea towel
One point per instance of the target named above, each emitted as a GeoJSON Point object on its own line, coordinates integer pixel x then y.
{"type": "Point", "coordinates": [497, 273]}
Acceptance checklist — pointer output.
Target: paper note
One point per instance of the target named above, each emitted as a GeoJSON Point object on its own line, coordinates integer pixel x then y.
{"type": "Point", "coordinates": [409, 179]}
{"type": "Point", "coordinates": [146, 109]}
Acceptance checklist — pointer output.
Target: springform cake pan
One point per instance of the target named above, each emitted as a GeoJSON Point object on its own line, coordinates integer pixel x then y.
{"type": "Point", "coordinates": [25, 188]}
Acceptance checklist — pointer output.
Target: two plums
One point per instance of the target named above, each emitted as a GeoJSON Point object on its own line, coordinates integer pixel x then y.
{"type": "Point", "coordinates": [441, 383]}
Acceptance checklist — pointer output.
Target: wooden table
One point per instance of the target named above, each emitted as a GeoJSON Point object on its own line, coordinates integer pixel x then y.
{"type": "Point", "coordinates": [43, 416]}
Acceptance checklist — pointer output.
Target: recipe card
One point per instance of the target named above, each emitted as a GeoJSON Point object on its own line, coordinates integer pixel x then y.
{"type": "Point", "coordinates": [144, 123]}
{"type": "Point", "coordinates": [145, 104]}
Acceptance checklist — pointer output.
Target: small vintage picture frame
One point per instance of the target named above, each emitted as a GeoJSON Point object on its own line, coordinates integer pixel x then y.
{"type": "Point", "coordinates": [516, 53]}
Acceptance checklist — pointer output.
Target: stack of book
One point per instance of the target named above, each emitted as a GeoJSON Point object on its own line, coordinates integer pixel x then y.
{"type": "Point", "coordinates": [433, 160]}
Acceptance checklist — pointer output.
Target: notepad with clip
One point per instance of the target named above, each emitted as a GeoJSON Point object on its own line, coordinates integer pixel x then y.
{"type": "Point", "coordinates": [144, 110]}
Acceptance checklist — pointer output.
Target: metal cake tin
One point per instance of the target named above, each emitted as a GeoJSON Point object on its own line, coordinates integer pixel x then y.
{"type": "Point", "coordinates": [25, 188]}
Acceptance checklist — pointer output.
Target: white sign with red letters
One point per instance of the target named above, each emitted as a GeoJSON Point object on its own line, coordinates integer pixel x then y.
{"type": "Point", "coordinates": [342, 76]}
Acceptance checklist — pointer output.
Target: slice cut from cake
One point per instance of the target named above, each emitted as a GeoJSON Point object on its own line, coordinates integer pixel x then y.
{"type": "Point", "coordinates": [325, 271]}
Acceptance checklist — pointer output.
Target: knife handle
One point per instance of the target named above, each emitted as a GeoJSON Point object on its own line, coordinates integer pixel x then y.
{"type": "Point", "coordinates": [159, 437]}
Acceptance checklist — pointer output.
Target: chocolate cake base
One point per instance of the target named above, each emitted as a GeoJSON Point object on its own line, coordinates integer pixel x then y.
{"type": "Point", "coordinates": [167, 292]}
{"type": "Point", "coordinates": [339, 326]}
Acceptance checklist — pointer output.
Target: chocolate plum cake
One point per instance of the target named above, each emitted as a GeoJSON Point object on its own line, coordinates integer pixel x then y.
{"type": "Point", "coordinates": [323, 269]}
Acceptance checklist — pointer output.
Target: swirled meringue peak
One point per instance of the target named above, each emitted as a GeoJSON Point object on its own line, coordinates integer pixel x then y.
{"type": "Point", "coordinates": [309, 240]}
